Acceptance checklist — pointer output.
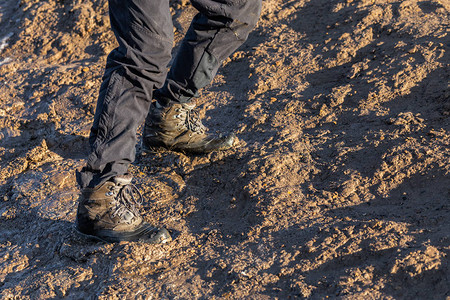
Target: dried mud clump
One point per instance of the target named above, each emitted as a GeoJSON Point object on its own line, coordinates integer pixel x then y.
{"type": "Point", "coordinates": [339, 186]}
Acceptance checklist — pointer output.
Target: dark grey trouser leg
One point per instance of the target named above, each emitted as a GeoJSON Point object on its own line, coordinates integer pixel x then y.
{"type": "Point", "coordinates": [144, 31]}
{"type": "Point", "coordinates": [217, 31]}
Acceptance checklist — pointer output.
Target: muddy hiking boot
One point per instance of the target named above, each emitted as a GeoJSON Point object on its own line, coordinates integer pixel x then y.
{"type": "Point", "coordinates": [178, 127]}
{"type": "Point", "coordinates": [110, 212]}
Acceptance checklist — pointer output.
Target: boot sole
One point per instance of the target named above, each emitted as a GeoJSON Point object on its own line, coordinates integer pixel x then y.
{"type": "Point", "coordinates": [161, 148]}
{"type": "Point", "coordinates": [161, 237]}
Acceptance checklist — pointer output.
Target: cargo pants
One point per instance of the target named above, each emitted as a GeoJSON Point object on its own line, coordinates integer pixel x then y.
{"type": "Point", "coordinates": [136, 71]}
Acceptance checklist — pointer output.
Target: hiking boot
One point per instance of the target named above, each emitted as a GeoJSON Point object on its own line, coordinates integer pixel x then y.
{"type": "Point", "coordinates": [178, 127]}
{"type": "Point", "coordinates": [110, 212]}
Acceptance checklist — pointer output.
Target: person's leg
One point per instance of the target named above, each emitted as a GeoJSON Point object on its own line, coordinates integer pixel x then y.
{"type": "Point", "coordinates": [108, 204]}
{"type": "Point", "coordinates": [144, 32]}
{"type": "Point", "coordinates": [217, 30]}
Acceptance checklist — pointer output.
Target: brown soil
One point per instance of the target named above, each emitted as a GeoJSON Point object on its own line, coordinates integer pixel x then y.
{"type": "Point", "coordinates": [340, 185]}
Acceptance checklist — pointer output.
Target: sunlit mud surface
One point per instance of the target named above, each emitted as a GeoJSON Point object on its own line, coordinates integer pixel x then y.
{"type": "Point", "coordinates": [339, 187]}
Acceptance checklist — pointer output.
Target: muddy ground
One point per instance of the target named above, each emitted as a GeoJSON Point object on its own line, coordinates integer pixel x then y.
{"type": "Point", "coordinates": [339, 186]}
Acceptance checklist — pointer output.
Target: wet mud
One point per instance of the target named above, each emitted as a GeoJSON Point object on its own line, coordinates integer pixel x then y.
{"type": "Point", "coordinates": [339, 186]}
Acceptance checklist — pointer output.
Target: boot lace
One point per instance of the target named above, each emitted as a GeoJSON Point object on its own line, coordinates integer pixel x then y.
{"type": "Point", "coordinates": [128, 200]}
{"type": "Point", "coordinates": [193, 122]}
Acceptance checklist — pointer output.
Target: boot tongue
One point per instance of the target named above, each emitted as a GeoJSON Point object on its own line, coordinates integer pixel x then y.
{"type": "Point", "coordinates": [188, 105]}
{"type": "Point", "coordinates": [122, 179]}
